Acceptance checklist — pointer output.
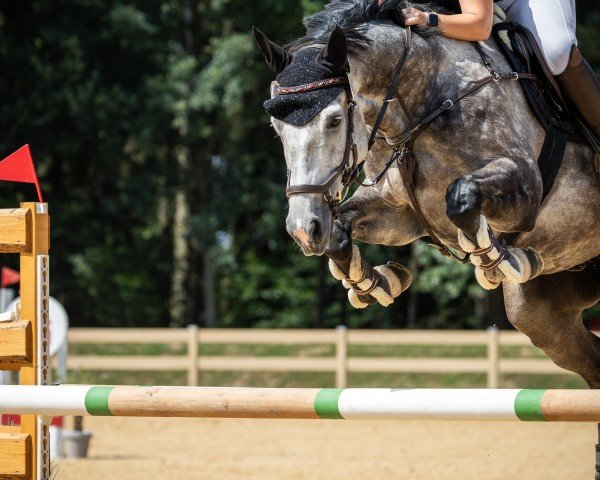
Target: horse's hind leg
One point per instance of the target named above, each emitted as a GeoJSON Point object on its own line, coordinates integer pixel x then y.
{"type": "Point", "coordinates": [548, 310]}
{"type": "Point", "coordinates": [504, 195]}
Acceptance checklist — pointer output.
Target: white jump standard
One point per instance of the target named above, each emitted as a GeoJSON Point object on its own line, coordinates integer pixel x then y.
{"type": "Point", "coordinates": [304, 403]}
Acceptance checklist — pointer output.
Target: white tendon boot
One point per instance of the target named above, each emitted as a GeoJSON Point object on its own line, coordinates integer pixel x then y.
{"type": "Point", "coordinates": [516, 264]}
{"type": "Point", "coordinates": [382, 282]}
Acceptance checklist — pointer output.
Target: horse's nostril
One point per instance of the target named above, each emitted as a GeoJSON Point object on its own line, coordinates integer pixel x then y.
{"type": "Point", "coordinates": [316, 230]}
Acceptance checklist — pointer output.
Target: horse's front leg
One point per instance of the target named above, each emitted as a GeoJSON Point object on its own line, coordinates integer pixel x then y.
{"type": "Point", "coordinates": [364, 216]}
{"type": "Point", "coordinates": [504, 195]}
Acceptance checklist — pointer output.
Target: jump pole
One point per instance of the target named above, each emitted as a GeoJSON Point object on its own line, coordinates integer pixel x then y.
{"type": "Point", "coordinates": [309, 403]}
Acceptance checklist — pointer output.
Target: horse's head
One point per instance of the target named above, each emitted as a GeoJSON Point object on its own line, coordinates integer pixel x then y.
{"type": "Point", "coordinates": [323, 136]}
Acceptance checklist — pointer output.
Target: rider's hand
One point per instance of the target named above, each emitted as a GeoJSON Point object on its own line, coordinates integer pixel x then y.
{"type": "Point", "coordinates": [414, 16]}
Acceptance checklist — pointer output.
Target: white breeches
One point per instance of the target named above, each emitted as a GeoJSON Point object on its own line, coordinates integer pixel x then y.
{"type": "Point", "coordinates": [552, 22]}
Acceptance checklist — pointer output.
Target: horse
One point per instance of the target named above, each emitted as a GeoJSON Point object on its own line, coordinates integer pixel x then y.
{"type": "Point", "coordinates": [449, 147]}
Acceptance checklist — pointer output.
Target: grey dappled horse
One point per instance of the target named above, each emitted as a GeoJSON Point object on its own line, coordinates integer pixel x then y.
{"type": "Point", "coordinates": [474, 171]}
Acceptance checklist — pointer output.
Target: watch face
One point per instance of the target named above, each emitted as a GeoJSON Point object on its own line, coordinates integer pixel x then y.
{"type": "Point", "coordinates": [433, 20]}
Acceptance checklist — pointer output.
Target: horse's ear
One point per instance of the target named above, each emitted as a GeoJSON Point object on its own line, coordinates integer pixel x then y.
{"type": "Point", "coordinates": [335, 54]}
{"type": "Point", "coordinates": [277, 57]}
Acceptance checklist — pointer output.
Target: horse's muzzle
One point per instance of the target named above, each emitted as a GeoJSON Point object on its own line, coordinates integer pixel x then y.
{"type": "Point", "coordinates": [312, 237]}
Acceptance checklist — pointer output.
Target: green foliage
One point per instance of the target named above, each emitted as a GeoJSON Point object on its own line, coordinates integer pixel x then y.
{"type": "Point", "coordinates": [112, 94]}
{"type": "Point", "coordinates": [449, 283]}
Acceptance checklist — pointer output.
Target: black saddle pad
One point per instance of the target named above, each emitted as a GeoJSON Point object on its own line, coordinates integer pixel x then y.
{"type": "Point", "coordinates": [523, 54]}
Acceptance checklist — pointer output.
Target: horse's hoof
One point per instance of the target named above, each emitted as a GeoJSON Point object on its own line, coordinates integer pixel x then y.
{"type": "Point", "coordinates": [486, 279]}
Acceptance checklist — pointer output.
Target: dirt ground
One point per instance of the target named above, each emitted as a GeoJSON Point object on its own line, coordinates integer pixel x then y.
{"type": "Point", "coordinates": [221, 449]}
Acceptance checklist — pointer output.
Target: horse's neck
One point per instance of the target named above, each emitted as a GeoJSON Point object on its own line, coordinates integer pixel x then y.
{"type": "Point", "coordinates": [434, 69]}
{"type": "Point", "coordinates": [419, 86]}
{"type": "Point", "coordinates": [437, 69]}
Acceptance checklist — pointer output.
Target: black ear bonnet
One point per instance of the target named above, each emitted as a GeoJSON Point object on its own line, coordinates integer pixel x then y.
{"type": "Point", "coordinates": [307, 66]}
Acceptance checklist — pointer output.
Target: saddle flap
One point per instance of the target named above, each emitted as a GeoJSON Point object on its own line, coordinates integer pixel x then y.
{"type": "Point", "coordinates": [520, 48]}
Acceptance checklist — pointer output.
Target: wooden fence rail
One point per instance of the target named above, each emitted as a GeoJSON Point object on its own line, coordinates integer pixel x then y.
{"type": "Point", "coordinates": [341, 363]}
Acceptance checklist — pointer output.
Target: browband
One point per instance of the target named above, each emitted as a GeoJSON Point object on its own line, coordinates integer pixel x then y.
{"type": "Point", "coordinates": [308, 87]}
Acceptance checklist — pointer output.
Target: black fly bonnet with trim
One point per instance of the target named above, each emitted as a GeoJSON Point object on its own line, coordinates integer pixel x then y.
{"type": "Point", "coordinates": [307, 68]}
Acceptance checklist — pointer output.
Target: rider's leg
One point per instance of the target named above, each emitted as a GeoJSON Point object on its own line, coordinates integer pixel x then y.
{"type": "Point", "coordinates": [580, 84]}
{"type": "Point", "coordinates": [552, 22]}
{"type": "Point", "coordinates": [504, 195]}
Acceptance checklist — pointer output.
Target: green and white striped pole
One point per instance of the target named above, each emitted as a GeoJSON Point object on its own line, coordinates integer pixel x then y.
{"type": "Point", "coordinates": [350, 403]}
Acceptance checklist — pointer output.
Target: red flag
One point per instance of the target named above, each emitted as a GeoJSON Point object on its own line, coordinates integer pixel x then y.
{"type": "Point", "coordinates": [19, 167]}
{"type": "Point", "coordinates": [9, 277]}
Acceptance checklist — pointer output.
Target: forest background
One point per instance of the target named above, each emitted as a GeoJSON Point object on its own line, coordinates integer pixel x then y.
{"type": "Point", "coordinates": [165, 182]}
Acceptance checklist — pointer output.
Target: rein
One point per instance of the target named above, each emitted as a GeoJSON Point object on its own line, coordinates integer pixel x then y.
{"type": "Point", "coordinates": [403, 145]}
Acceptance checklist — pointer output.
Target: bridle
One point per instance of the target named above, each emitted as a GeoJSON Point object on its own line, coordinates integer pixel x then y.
{"type": "Point", "coordinates": [345, 168]}
{"type": "Point", "coordinates": [403, 145]}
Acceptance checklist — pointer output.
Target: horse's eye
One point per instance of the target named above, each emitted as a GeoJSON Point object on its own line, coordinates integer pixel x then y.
{"type": "Point", "coordinates": [335, 122]}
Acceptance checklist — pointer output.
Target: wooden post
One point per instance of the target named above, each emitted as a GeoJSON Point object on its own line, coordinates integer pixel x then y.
{"type": "Point", "coordinates": [192, 351]}
{"type": "Point", "coordinates": [341, 353]}
{"type": "Point", "coordinates": [29, 235]}
{"type": "Point", "coordinates": [493, 355]}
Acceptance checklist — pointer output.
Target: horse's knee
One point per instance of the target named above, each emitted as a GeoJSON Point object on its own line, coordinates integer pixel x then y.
{"type": "Point", "coordinates": [340, 246]}
{"type": "Point", "coordinates": [463, 204]}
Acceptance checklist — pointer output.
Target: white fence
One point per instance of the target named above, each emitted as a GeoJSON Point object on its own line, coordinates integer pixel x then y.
{"type": "Point", "coordinates": [341, 363]}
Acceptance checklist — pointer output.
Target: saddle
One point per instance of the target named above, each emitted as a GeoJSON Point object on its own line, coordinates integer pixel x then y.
{"type": "Point", "coordinates": [520, 48]}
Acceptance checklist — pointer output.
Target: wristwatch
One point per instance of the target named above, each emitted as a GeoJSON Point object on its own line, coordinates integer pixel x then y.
{"type": "Point", "coordinates": [433, 20]}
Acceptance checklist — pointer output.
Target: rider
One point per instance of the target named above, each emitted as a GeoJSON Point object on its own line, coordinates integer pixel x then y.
{"type": "Point", "coordinates": [552, 22]}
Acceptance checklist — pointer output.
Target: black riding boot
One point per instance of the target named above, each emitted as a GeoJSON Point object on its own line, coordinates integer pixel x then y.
{"type": "Point", "coordinates": [582, 88]}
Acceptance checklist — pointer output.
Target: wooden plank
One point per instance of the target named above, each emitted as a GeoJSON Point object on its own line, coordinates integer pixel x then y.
{"type": "Point", "coordinates": [291, 337]}
{"type": "Point", "coordinates": [221, 363]}
{"type": "Point", "coordinates": [15, 456]}
{"type": "Point", "coordinates": [16, 342]}
{"type": "Point", "coordinates": [516, 339]}
{"type": "Point", "coordinates": [417, 337]}
{"type": "Point", "coordinates": [325, 364]}
{"type": "Point", "coordinates": [268, 337]}
{"type": "Point", "coordinates": [127, 363]}
{"type": "Point", "coordinates": [15, 230]}
{"type": "Point", "coordinates": [213, 402]}
{"type": "Point", "coordinates": [540, 366]}
{"type": "Point", "coordinates": [418, 365]}
{"type": "Point", "coordinates": [268, 364]}
{"type": "Point", "coordinates": [571, 406]}
{"type": "Point", "coordinates": [212, 336]}
{"type": "Point", "coordinates": [128, 335]}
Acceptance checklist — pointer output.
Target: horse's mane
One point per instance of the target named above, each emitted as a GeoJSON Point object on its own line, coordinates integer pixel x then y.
{"type": "Point", "coordinates": [353, 16]}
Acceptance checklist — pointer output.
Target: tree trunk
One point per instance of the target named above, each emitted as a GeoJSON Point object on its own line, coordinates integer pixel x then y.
{"type": "Point", "coordinates": [210, 305]}
{"type": "Point", "coordinates": [179, 306]}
